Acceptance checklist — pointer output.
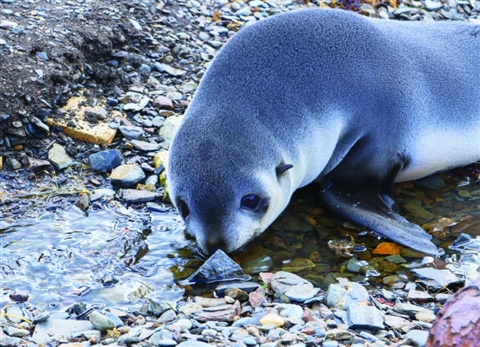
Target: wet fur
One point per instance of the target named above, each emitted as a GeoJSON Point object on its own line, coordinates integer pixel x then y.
{"type": "Point", "coordinates": [353, 102]}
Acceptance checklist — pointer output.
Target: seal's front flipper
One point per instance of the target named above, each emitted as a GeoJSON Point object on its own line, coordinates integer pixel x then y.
{"type": "Point", "coordinates": [369, 205]}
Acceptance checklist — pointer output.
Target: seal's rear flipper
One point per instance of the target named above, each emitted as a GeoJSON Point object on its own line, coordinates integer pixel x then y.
{"type": "Point", "coordinates": [368, 207]}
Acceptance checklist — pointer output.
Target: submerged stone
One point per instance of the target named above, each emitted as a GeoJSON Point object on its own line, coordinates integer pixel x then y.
{"type": "Point", "coordinates": [218, 268]}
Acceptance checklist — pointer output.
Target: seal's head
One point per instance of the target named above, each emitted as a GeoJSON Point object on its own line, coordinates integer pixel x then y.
{"type": "Point", "coordinates": [225, 193]}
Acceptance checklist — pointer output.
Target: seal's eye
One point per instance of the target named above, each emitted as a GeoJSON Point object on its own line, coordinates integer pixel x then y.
{"type": "Point", "coordinates": [250, 202]}
{"type": "Point", "coordinates": [183, 209]}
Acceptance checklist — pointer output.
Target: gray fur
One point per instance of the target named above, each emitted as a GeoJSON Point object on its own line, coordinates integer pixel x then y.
{"type": "Point", "coordinates": [353, 102]}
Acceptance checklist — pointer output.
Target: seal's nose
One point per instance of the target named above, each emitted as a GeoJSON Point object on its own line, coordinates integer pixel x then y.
{"type": "Point", "coordinates": [215, 245]}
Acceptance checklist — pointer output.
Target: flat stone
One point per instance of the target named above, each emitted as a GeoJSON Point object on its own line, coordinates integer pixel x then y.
{"type": "Point", "coordinates": [59, 329]}
{"type": "Point", "coordinates": [419, 296]}
{"type": "Point", "coordinates": [162, 102]}
{"type": "Point", "coordinates": [418, 337]}
{"type": "Point", "coordinates": [364, 317]}
{"type": "Point", "coordinates": [74, 123]}
{"type": "Point", "coordinates": [146, 146]}
{"type": "Point", "coordinates": [127, 175]}
{"type": "Point", "coordinates": [59, 157]}
{"type": "Point", "coordinates": [137, 196]}
{"type": "Point", "coordinates": [105, 161]}
{"type": "Point", "coordinates": [132, 132]}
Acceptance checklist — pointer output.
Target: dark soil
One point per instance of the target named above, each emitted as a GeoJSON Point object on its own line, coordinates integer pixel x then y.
{"type": "Point", "coordinates": [66, 47]}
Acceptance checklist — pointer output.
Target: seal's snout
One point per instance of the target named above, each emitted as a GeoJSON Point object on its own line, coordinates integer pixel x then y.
{"type": "Point", "coordinates": [215, 245]}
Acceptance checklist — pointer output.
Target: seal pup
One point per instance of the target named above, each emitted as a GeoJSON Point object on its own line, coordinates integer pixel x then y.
{"type": "Point", "coordinates": [328, 95]}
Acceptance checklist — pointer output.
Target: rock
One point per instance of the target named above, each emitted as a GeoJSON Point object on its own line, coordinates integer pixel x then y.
{"type": "Point", "coordinates": [105, 161]}
{"type": "Point", "coordinates": [127, 175]}
{"type": "Point", "coordinates": [83, 203]}
{"type": "Point", "coordinates": [436, 279]}
{"type": "Point", "coordinates": [364, 317]}
{"type": "Point", "coordinates": [162, 102]}
{"type": "Point", "coordinates": [100, 321]}
{"type": "Point", "coordinates": [292, 313]}
{"type": "Point", "coordinates": [434, 182]}
{"type": "Point", "coordinates": [343, 294]}
{"type": "Point", "coordinates": [419, 337]}
{"type": "Point", "coordinates": [272, 318]}
{"type": "Point", "coordinates": [192, 343]}
{"type": "Point", "coordinates": [409, 309]}
{"type": "Point", "coordinates": [59, 329]}
{"type": "Point", "coordinates": [225, 313]}
{"type": "Point", "coordinates": [397, 323]}
{"type": "Point", "coordinates": [219, 267]}
{"type": "Point", "coordinates": [339, 335]}
{"type": "Point", "coordinates": [145, 146]}
{"type": "Point", "coordinates": [169, 70]}
{"type": "Point", "coordinates": [458, 322]}
{"type": "Point", "coordinates": [9, 341]}
{"type": "Point", "coordinates": [418, 296]}
{"type": "Point", "coordinates": [132, 132]}
{"type": "Point", "coordinates": [59, 157]}
{"type": "Point", "coordinates": [169, 127]}
{"type": "Point", "coordinates": [433, 5]}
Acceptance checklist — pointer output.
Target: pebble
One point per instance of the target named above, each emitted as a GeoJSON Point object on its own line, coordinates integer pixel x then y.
{"type": "Point", "coordinates": [127, 175]}
{"type": "Point", "coordinates": [105, 161]}
{"type": "Point", "coordinates": [272, 319]}
{"type": "Point", "coordinates": [132, 132]}
{"type": "Point", "coordinates": [59, 157]}
{"type": "Point", "coordinates": [100, 321]}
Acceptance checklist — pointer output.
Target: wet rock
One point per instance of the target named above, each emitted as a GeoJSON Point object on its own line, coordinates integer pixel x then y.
{"type": "Point", "coordinates": [219, 267]}
{"type": "Point", "coordinates": [83, 203]}
{"type": "Point", "coordinates": [261, 264]}
{"type": "Point", "coordinates": [59, 157]}
{"type": "Point", "coordinates": [100, 321]}
{"type": "Point", "coordinates": [434, 182]}
{"type": "Point", "coordinates": [298, 264]}
{"type": "Point", "coordinates": [105, 161]}
{"type": "Point", "coordinates": [98, 194]}
{"type": "Point", "coordinates": [436, 279]}
{"type": "Point", "coordinates": [343, 294]}
{"type": "Point", "coordinates": [59, 329]}
{"type": "Point", "coordinates": [137, 196]}
{"type": "Point", "coordinates": [127, 175]}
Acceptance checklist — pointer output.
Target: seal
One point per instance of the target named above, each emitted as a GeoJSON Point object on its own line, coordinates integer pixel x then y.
{"type": "Point", "coordinates": [327, 95]}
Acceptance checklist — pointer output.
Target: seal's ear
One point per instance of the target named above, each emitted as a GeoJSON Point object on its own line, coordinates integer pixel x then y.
{"type": "Point", "coordinates": [280, 169]}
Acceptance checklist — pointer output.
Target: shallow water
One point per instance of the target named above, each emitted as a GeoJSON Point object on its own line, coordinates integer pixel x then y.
{"type": "Point", "coordinates": [112, 256]}
{"type": "Point", "coordinates": [117, 255]}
